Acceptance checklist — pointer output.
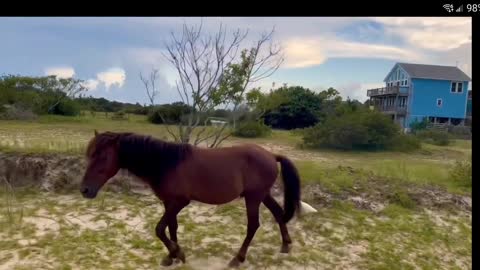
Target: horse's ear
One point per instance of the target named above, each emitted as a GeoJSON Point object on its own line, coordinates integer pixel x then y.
{"type": "Point", "coordinates": [96, 133]}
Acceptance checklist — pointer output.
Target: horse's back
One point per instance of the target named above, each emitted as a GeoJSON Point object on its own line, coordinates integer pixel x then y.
{"type": "Point", "coordinates": [220, 175]}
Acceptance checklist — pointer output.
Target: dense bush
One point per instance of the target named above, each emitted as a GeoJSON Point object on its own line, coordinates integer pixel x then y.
{"type": "Point", "coordinates": [119, 116]}
{"type": "Point", "coordinates": [460, 132]}
{"type": "Point", "coordinates": [170, 113]}
{"type": "Point", "coordinates": [252, 129]}
{"type": "Point", "coordinates": [402, 198]}
{"type": "Point", "coordinates": [298, 108]}
{"type": "Point", "coordinates": [15, 112]}
{"type": "Point", "coordinates": [461, 173]}
{"type": "Point", "coordinates": [363, 130]}
{"type": "Point", "coordinates": [404, 143]}
{"type": "Point", "coordinates": [67, 107]}
{"type": "Point", "coordinates": [435, 137]}
{"type": "Point", "coordinates": [419, 125]}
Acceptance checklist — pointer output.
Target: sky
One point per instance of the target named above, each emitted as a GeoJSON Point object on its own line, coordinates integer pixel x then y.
{"type": "Point", "coordinates": [349, 54]}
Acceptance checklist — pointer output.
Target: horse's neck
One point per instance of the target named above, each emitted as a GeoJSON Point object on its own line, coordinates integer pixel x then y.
{"type": "Point", "coordinates": [149, 159]}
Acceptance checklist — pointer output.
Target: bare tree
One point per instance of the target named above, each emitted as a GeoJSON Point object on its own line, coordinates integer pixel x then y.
{"type": "Point", "coordinates": [149, 84]}
{"type": "Point", "coordinates": [68, 87]}
{"type": "Point", "coordinates": [210, 74]}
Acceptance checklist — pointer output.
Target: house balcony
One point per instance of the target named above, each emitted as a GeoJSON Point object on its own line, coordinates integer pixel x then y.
{"type": "Point", "coordinates": [398, 110]}
{"type": "Point", "coordinates": [390, 90]}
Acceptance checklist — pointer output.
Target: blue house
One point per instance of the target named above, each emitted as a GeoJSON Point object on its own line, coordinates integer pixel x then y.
{"type": "Point", "coordinates": [415, 92]}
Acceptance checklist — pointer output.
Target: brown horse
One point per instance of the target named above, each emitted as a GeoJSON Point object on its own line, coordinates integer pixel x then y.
{"type": "Point", "coordinates": [181, 173]}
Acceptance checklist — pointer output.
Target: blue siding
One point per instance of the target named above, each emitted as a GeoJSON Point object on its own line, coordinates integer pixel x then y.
{"type": "Point", "coordinates": [423, 103]}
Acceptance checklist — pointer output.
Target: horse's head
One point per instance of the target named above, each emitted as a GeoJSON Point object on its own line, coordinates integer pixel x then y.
{"type": "Point", "coordinates": [102, 155]}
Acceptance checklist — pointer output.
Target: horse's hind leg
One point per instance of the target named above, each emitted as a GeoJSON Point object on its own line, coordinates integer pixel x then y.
{"type": "Point", "coordinates": [172, 226]}
{"type": "Point", "coordinates": [174, 251]}
{"type": "Point", "coordinates": [253, 205]}
{"type": "Point", "coordinates": [277, 212]}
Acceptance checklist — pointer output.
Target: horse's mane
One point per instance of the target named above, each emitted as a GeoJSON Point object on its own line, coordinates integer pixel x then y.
{"type": "Point", "coordinates": [148, 157]}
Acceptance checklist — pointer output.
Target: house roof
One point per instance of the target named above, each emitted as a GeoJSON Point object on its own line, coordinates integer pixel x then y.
{"type": "Point", "coordinates": [450, 73]}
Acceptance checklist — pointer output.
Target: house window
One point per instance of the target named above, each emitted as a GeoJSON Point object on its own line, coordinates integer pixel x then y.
{"type": "Point", "coordinates": [439, 102]}
{"type": "Point", "coordinates": [405, 82]}
{"type": "Point", "coordinates": [457, 87]}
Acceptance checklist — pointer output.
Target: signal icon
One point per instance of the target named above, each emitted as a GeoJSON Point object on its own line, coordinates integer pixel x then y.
{"type": "Point", "coordinates": [448, 7]}
{"type": "Point", "coordinates": [460, 9]}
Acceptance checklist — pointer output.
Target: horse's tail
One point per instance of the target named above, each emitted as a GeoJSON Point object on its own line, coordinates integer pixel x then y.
{"type": "Point", "coordinates": [291, 187]}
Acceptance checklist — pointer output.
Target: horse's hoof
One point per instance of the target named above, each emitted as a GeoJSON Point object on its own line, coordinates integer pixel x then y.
{"type": "Point", "coordinates": [180, 255]}
{"type": "Point", "coordinates": [285, 248]}
{"type": "Point", "coordinates": [234, 263]}
{"type": "Point", "coordinates": [167, 261]}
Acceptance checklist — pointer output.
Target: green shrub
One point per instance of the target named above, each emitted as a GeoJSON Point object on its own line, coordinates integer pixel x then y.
{"type": "Point", "coordinates": [404, 143]}
{"type": "Point", "coordinates": [460, 132]}
{"type": "Point", "coordinates": [403, 199]}
{"type": "Point", "coordinates": [16, 112]}
{"type": "Point", "coordinates": [435, 137]}
{"type": "Point", "coordinates": [461, 173]}
{"type": "Point", "coordinates": [361, 130]}
{"type": "Point", "coordinates": [252, 129]}
{"type": "Point", "coordinates": [170, 113]}
{"type": "Point", "coordinates": [67, 107]}
{"type": "Point", "coordinates": [120, 115]}
{"type": "Point", "coordinates": [419, 125]}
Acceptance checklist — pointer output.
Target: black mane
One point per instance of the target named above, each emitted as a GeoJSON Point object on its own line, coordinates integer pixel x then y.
{"type": "Point", "coordinates": [148, 157]}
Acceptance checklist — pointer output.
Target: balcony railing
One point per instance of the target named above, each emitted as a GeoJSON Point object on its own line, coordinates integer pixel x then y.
{"type": "Point", "coordinates": [391, 109]}
{"type": "Point", "coordinates": [390, 90]}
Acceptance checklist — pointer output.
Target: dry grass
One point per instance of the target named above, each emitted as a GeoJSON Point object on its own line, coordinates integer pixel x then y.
{"type": "Point", "coordinates": [116, 231]}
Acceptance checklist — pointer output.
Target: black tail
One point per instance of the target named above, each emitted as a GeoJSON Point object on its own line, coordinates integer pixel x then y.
{"type": "Point", "coordinates": [291, 187]}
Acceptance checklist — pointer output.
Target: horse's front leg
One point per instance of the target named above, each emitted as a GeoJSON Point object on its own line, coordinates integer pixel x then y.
{"type": "Point", "coordinates": [169, 218]}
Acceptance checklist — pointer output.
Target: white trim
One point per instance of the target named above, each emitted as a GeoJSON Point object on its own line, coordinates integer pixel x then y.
{"type": "Point", "coordinates": [466, 104]}
{"type": "Point", "coordinates": [441, 102]}
{"type": "Point", "coordinates": [457, 83]}
{"type": "Point", "coordinates": [388, 74]}
{"type": "Point", "coordinates": [441, 79]}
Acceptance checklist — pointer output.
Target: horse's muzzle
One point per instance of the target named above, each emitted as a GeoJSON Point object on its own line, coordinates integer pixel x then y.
{"type": "Point", "coordinates": [88, 193]}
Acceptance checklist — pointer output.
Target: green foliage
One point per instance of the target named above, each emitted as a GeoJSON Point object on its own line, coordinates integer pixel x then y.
{"type": "Point", "coordinates": [461, 173]}
{"type": "Point", "coordinates": [402, 198]}
{"type": "Point", "coordinates": [42, 95]}
{"type": "Point", "coordinates": [460, 132]}
{"type": "Point", "coordinates": [419, 125]}
{"type": "Point", "coordinates": [363, 130]}
{"type": "Point", "coordinates": [299, 108]}
{"type": "Point", "coordinates": [252, 129]}
{"type": "Point", "coordinates": [67, 107]}
{"type": "Point", "coordinates": [435, 137]}
{"type": "Point", "coordinates": [105, 105]}
{"type": "Point", "coordinates": [16, 112]}
{"type": "Point", "coordinates": [169, 113]}
{"type": "Point", "coordinates": [120, 115]}
{"type": "Point", "coordinates": [404, 143]}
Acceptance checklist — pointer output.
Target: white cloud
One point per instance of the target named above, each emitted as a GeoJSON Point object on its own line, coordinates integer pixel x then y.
{"type": "Point", "coordinates": [356, 90]}
{"type": "Point", "coordinates": [439, 34]}
{"type": "Point", "coordinates": [60, 72]}
{"type": "Point", "coordinates": [112, 76]}
{"type": "Point", "coordinates": [91, 84]}
{"type": "Point", "coordinates": [305, 52]}
{"type": "Point", "coordinates": [150, 58]}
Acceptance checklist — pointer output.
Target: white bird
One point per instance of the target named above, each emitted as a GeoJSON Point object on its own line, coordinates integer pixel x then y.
{"type": "Point", "coordinates": [306, 208]}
